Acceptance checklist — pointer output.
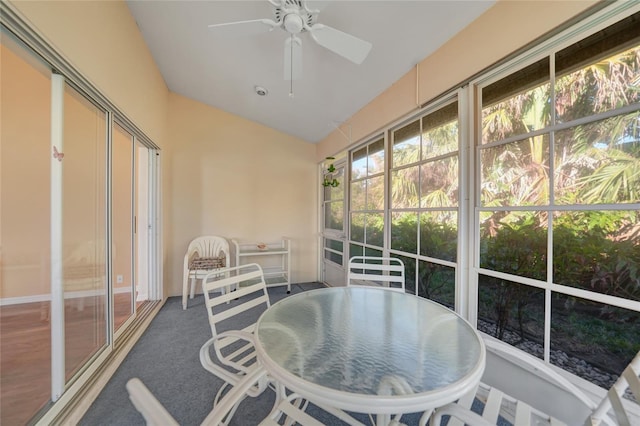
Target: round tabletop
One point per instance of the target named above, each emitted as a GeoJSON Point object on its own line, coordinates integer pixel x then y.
{"type": "Point", "coordinates": [370, 350]}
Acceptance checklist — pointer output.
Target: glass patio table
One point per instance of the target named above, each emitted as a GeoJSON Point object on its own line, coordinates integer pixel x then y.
{"type": "Point", "coordinates": [370, 350]}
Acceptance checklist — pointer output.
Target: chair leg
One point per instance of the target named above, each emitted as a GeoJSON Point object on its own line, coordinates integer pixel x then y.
{"type": "Point", "coordinates": [281, 394]}
{"type": "Point", "coordinates": [193, 287]}
{"type": "Point", "coordinates": [383, 419]}
{"type": "Point", "coordinates": [185, 290]}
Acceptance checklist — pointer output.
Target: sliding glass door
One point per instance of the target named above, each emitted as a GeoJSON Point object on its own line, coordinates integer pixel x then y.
{"type": "Point", "coordinates": [78, 232]}
{"type": "Point", "coordinates": [53, 222]}
{"type": "Point", "coordinates": [123, 226]}
{"type": "Point", "coordinates": [82, 158]}
{"type": "Point", "coordinates": [25, 229]}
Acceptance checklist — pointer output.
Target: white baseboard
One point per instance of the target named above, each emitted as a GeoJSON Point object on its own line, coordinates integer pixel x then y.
{"type": "Point", "coordinates": [6, 301]}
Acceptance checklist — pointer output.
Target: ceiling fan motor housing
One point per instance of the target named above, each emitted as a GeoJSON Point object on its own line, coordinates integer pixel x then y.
{"type": "Point", "coordinates": [293, 23]}
{"type": "Point", "coordinates": [295, 16]}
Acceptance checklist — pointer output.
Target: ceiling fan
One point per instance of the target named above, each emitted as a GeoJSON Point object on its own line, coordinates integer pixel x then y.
{"type": "Point", "coordinates": [294, 17]}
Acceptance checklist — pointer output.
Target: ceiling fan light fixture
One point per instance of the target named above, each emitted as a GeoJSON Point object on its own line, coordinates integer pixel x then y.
{"type": "Point", "coordinates": [293, 23]}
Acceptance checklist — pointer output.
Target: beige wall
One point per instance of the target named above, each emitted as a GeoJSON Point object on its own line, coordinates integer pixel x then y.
{"type": "Point", "coordinates": [503, 29]}
{"type": "Point", "coordinates": [101, 39]}
{"type": "Point", "coordinates": [236, 178]}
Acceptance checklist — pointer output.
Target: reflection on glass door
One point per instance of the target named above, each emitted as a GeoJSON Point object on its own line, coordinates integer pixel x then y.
{"type": "Point", "coordinates": [123, 225]}
{"type": "Point", "coordinates": [25, 334]}
{"type": "Point", "coordinates": [83, 229]}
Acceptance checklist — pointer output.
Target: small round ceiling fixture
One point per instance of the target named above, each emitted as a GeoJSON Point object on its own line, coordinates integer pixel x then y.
{"type": "Point", "coordinates": [261, 91]}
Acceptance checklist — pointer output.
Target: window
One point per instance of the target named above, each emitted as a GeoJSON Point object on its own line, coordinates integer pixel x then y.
{"type": "Point", "coordinates": [558, 204]}
{"type": "Point", "coordinates": [333, 251]}
{"type": "Point", "coordinates": [367, 196]}
{"type": "Point", "coordinates": [553, 206]}
{"type": "Point", "coordinates": [424, 202]}
{"type": "Point", "coordinates": [334, 199]}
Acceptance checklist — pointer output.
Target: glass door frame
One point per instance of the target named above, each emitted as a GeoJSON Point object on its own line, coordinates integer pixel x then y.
{"type": "Point", "coordinates": [132, 240]}
{"type": "Point", "coordinates": [340, 166]}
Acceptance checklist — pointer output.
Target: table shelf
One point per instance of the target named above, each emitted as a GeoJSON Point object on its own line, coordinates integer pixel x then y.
{"type": "Point", "coordinates": [274, 259]}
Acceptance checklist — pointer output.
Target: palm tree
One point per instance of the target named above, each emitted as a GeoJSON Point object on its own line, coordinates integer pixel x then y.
{"type": "Point", "coordinates": [605, 155]}
{"type": "Point", "coordinates": [517, 174]}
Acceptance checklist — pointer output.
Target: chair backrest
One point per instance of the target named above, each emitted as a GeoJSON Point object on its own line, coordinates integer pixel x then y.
{"type": "Point", "coordinates": [239, 309]}
{"type": "Point", "coordinates": [505, 395]}
{"type": "Point", "coordinates": [382, 272]}
{"type": "Point", "coordinates": [208, 247]}
{"type": "Point", "coordinates": [629, 380]}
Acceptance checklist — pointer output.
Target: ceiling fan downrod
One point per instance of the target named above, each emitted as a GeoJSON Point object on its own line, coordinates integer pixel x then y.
{"type": "Point", "coordinates": [291, 70]}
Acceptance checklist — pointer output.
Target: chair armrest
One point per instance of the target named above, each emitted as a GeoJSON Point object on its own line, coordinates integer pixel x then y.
{"type": "Point", "coordinates": [188, 256]}
{"type": "Point", "coordinates": [230, 376]}
{"type": "Point", "coordinates": [233, 397]}
{"type": "Point", "coordinates": [185, 267]}
{"type": "Point", "coordinates": [151, 409]}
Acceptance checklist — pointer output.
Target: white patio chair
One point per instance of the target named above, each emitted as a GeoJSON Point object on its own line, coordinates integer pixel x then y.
{"type": "Point", "coordinates": [233, 350]}
{"type": "Point", "coordinates": [155, 414]}
{"type": "Point", "coordinates": [204, 256]}
{"type": "Point", "coordinates": [628, 380]}
{"type": "Point", "coordinates": [497, 403]}
{"type": "Point", "coordinates": [381, 272]}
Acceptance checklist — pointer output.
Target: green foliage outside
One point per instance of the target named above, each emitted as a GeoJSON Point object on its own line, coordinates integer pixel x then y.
{"type": "Point", "coordinates": [592, 251]}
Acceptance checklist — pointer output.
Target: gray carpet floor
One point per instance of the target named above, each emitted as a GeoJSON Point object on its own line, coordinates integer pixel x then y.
{"type": "Point", "coordinates": [166, 359]}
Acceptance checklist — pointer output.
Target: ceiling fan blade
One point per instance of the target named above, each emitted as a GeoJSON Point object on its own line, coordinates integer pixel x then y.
{"type": "Point", "coordinates": [345, 45]}
{"type": "Point", "coordinates": [245, 28]}
{"type": "Point", "coordinates": [292, 58]}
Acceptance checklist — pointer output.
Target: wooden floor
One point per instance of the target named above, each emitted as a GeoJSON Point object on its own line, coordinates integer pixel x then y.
{"type": "Point", "coordinates": [25, 350]}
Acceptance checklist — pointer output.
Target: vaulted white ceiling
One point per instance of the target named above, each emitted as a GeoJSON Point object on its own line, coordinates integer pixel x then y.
{"type": "Point", "coordinates": [222, 67]}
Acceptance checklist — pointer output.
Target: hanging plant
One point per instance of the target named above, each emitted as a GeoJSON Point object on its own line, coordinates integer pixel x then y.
{"type": "Point", "coordinates": [329, 180]}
